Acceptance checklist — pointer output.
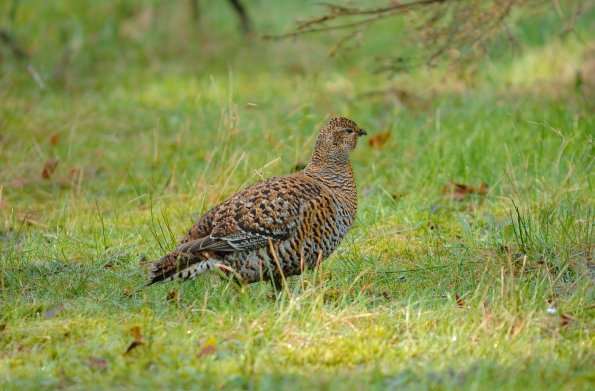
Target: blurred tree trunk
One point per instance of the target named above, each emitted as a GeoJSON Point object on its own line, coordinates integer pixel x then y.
{"type": "Point", "coordinates": [238, 8]}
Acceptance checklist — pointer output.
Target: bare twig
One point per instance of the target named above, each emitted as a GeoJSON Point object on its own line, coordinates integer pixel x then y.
{"type": "Point", "coordinates": [438, 30]}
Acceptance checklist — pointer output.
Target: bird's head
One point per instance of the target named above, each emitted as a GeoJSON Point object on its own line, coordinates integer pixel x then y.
{"type": "Point", "coordinates": [337, 138]}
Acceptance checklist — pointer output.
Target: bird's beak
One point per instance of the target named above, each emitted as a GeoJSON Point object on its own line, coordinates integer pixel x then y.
{"type": "Point", "coordinates": [362, 132]}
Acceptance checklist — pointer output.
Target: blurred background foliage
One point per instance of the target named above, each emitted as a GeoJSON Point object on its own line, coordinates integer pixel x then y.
{"type": "Point", "coordinates": [70, 42]}
{"type": "Point", "coordinates": [156, 74]}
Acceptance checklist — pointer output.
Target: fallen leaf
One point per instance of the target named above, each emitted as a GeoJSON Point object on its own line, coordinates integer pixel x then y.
{"type": "Point", "coordinates": [483, 188]}
{"type": "Point", "coordinates": [50, 313]}
{"type": "Point", "coordinates": [456, 191]}
{"type": "Point", "coordinates": [48, 168]}
{"type": "Point", "coordinates": [460, 301]}
{"type": "Point", "coordinates": [138, 339]}
{"type": "Point", "coordinates": [173, 295]}
{"type": "Point", "coordinates": [127, 292]}
{"type": "Point", "coordinates": [565, 319]}
{"type": "Point", "coordinates": [459, 191]}
{"type": "Point", "coordinates": [54, 138]}
{"type": "Point", "coordinates": [136, 333]}
{"type": "Point", "coordinates": [379, 139]}
{"type": "Point", "coordinates": [98, 363]}
{"type": "Point", "coordinates": [133, 345]}
{"type": "Point", "coordinates": [208, 347]}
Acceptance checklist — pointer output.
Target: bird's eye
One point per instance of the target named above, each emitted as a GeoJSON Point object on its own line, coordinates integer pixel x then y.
{"type": "Point", "coordinates": [349, 130]}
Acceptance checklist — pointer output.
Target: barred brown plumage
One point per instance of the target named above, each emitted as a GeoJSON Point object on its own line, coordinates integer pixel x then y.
{"type": "Point", "coordinates": [294, 220]}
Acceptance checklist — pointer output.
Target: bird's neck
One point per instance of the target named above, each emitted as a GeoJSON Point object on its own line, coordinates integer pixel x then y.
{"type": "Point", "coordinates": [335, 175]}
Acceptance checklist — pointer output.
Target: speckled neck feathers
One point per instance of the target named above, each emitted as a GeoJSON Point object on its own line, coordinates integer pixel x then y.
{"type": "Point", "coordinates": [330, 158]}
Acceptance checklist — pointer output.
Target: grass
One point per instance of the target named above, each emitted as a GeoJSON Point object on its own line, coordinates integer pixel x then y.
{"type": "Point", "coordinates": [151, 128]}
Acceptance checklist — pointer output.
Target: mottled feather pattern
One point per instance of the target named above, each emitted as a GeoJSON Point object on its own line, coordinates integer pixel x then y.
{"type": "Point", "coordinates": [295, 220]}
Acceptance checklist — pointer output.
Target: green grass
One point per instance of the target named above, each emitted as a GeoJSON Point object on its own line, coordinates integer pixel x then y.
{"type": "Point", "coordinates": [152, 126]}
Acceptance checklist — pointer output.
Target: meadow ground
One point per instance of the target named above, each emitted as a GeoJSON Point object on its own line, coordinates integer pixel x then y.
{"type": "Point", "coordinates": [119, 131]}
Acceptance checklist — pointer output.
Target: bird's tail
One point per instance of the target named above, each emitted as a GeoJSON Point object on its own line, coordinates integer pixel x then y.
{"type": "Point", "coordinates": [176, 265]}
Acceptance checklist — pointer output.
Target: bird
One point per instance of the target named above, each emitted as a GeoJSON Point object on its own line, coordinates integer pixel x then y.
{"type": "Point", "coordinates": [277, 227]}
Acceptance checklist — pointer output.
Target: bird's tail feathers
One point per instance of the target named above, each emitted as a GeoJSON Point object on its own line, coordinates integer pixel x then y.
{"type": "Point", "coordinates": [176, 265]}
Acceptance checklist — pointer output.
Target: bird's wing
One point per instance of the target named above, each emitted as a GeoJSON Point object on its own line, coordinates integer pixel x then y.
{"type": "Point", "coordinates": [268, 210]}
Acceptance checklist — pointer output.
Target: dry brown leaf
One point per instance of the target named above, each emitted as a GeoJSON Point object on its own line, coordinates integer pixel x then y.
{"type": "Point", "coordinates": [48, 168]}
{"type": "Point", "coordinates": [50, 313]}
{"type": "Point", "coordinates": [379, 139]}
{"type": "Point", "coordinates": [460, 301]}
{"type": "Point", "coordinates": [136, 333]}
{"type": "Point", "coordinates": [482, 189]}
{"type": "Point", "coordinates": [459, 191]}
{"type": "Point", "coordinates": [455, 191]}
{"type": "Point", "coordinates": [54, 138]}
{"type": "Point", "coordinates": [565, 319]}
{"type": "Point", "coordinates": [138, 339]}
{"type": "Point", "coordinates": [173, 295]}
{"type": "Point", "coordinates": [132, 346]}
{"type": "Point", "coordinates": [127, 292]}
